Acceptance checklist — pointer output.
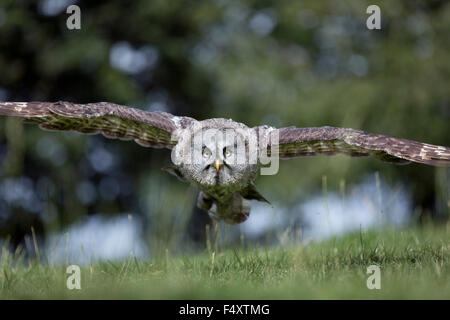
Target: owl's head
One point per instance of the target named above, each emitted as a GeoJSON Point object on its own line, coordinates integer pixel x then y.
{"type": "Point", "coordinates": [217, 152]}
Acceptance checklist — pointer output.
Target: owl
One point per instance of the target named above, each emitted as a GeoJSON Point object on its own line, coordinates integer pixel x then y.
{"type": "Point", "coordinates": [221, 157]}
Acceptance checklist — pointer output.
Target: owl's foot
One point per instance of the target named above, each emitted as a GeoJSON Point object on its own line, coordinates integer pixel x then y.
{"type": "Point", "coordinates": [204, 201]}
{"type": "Point", "coordinates": [234, 211]}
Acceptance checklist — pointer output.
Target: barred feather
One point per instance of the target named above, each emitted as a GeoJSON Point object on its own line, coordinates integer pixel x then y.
{"type": "Point", "coordinates": [149, 129]}
{"type": "Point", "coordinates": [300, 142]}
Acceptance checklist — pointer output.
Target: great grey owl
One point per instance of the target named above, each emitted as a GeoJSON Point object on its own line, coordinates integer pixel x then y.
{"type": "Point", "coordinates": [221, 157]}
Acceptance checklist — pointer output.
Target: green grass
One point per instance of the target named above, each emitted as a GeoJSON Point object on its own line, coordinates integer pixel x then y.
{"type": "Point", "coordinates": [414, 264]}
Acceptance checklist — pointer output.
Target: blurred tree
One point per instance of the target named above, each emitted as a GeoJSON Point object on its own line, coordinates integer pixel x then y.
{"type": "Point", "coordinates": [283, 63]}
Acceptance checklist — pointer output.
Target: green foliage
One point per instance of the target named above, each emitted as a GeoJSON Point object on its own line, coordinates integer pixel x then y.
{"type": "Point", "coordinates": [318, 65]}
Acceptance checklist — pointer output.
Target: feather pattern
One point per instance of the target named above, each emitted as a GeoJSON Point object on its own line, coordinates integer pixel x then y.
{"type": "Point", "coordinates": [301, 142]}
{"type": "Point", "coordinates": [149, 129]}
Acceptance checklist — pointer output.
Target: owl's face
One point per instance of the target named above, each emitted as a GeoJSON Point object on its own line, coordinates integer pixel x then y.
{"type": "Point", "coordinates": [217, 156]}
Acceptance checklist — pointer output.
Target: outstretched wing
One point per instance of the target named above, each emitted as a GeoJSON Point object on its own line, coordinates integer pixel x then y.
{"type": "Point", "coordinates": [301, 142]}
{"type": "Point", "coordinates": [149, 129]}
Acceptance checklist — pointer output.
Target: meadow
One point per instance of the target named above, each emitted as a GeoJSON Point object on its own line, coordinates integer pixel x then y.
{"type": "Point", "coordinates": [414, 264]}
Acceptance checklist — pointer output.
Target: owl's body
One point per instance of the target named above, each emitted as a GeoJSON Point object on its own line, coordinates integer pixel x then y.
{"type": "Point", "coordinates": [221, 157]}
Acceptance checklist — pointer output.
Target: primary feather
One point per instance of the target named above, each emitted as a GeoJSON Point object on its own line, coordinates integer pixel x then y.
{"type": "Point", "coordinates": [300, 142]}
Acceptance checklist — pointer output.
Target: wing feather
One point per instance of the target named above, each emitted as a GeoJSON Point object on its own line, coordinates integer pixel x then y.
{"type": "Point", "coordinates": [149, 129]}
{"type": "Point", "coordinates": [301, 142]}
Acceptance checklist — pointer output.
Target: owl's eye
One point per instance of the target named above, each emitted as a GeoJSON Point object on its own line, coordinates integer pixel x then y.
{"type": "Point", "coordinates": [206, 153]}
{"type": "Point", "coordinates": [227, 152]}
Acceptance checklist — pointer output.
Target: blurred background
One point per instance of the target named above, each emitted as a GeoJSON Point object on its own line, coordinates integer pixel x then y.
{"type": "Point", "coordinates": [303, 63]}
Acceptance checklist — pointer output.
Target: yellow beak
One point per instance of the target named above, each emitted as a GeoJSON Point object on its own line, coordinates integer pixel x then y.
{"type": "Point", "coordinates": [217, 164]}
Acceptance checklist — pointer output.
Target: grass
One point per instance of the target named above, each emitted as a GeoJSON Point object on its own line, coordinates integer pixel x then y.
{"type": "Point", "coordinates": [414, 264]}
